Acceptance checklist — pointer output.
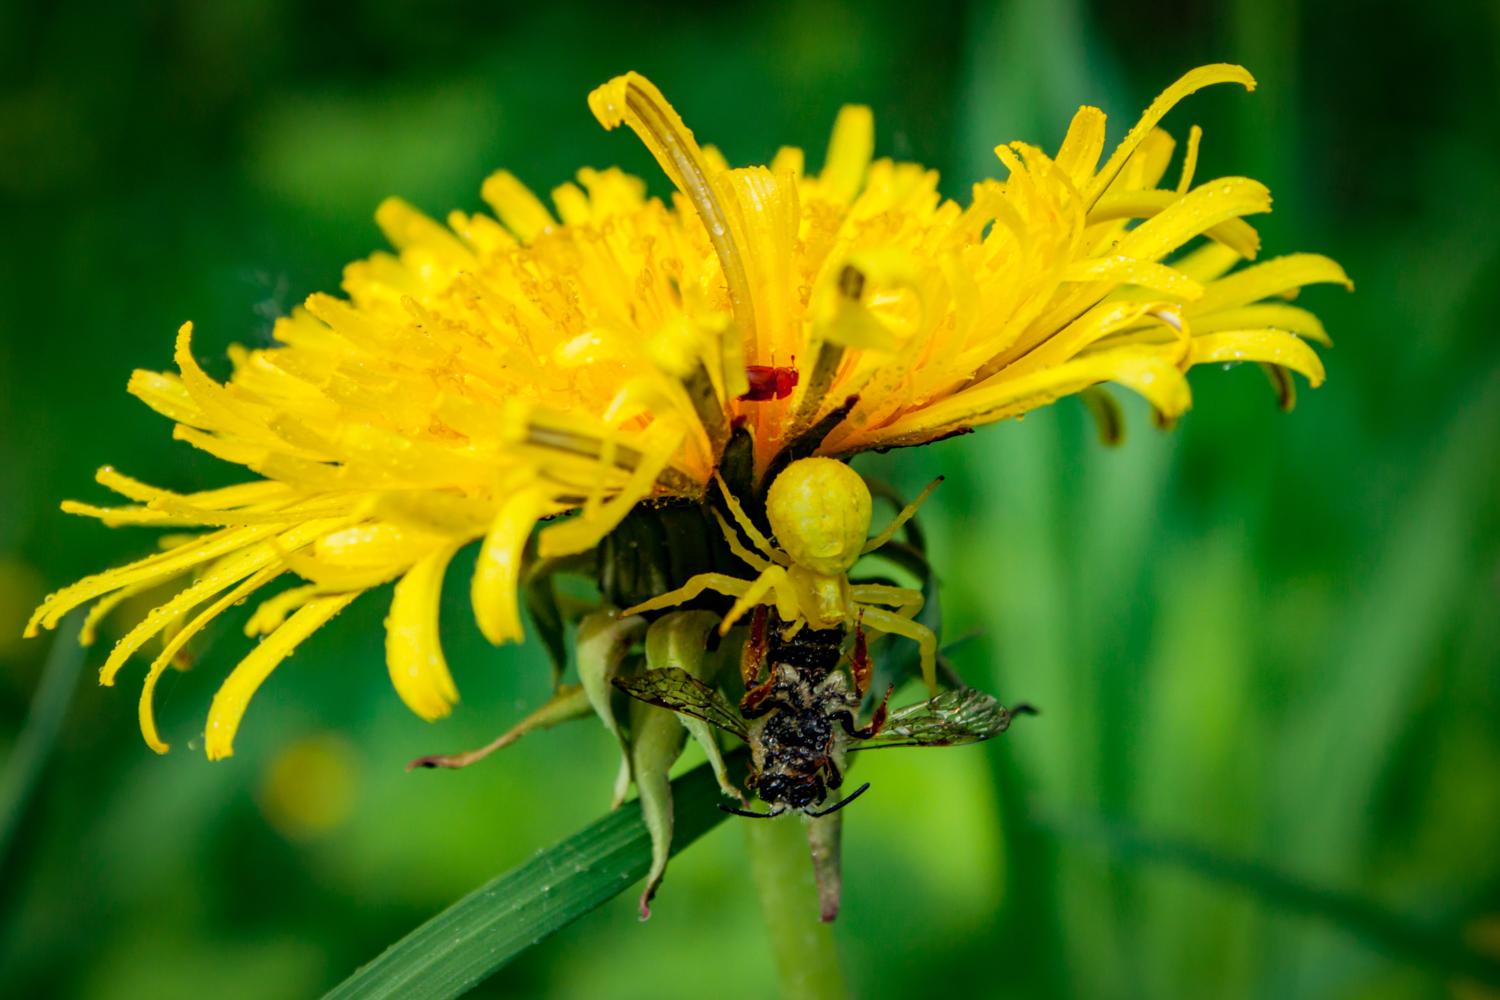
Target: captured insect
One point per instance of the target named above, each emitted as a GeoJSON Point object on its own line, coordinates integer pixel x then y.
{"type": "Point", "coordinates": [800, 723]}
{"type": "Point", "coordinates": [819, 511]}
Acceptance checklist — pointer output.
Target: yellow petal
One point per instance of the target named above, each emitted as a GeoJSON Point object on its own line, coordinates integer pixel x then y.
{"type": "Point", "coordinates": [1147, 370]}
{"type": "Point", "coordinates": [1201, 209]}
{"type": "Point", "coordinates": [580, 533]}
{"type": "Point", "coordinates": [406, 227]}
{"type": "Point", "coordinates": [1234, 233]}
{"type": "Point", "coordinates": [1190, 161]}
{"type": "Point", "coordinates": [259, 491]}
{"type": "Point", "coordinates": [633, 100]}
{"type": "Point", "coordinates": [1191, 81]}
{"type": "Point", "coordinates": [849, 152]}
{"type": "Point", "coordinates": [233, 697]}
{"type": "Point", "coordinates": [497, 572]}
{"type": "Point", "coordinates": [109, 602]}
{"type": "Point", "coordinates": [159, 567]}
{"type": "Point", "coordinates": [413, 652]}
{"type": "Point", "coordinates": [1208, 262]}
{"type": "Point", "coordinates": [1273, 277]}
{"type": "Point", "coordinates": [788, 159]}
{"type": "Point", "coordinates": [217, 577]}
{"type": "Point", "coordinates": [522, 212]}
{"type": "Point", "coordinates": [1128, 270]}
{"type": "Point", "coordinates": [1276, 315]}
{"type": "Point", "coordinates": [245, 589]}
{"type": "Point", "coordinates": [1080, 150]}
{"type": "Point", "coordinates": [1271, 346]}
{"type": "Point", "coordinates": [165, 393]}
{"type": "Point", "coordinates": [223, 412]}
{"type": "Point", "coordinates": [114, 517]}
{"type": "Point", "coordinates": [269, 616]}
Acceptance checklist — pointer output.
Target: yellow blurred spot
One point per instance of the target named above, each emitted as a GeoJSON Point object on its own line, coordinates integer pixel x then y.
{"type": "Point", "coordinates": [309, 789]}
{"type": "Point", "coordinates": [1483, 935]}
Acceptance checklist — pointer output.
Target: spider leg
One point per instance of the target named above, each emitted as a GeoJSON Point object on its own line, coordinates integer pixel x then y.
{"type": "Point", "coordinates": [736, 546]}
{"type": "Point", "coordinates": [900, 598]}
{"type": "Point", "coordinates": [724, 584]}
{"type": "Point", "coordinates": [754, 653]}
{"type": "Point", "coordinates": [752, 595]}
{"type": "Point", "coordinates": [885, 621]}
{"type": "Point", "coordinates": [901, 518]}
{"type": "Point", "coordinates": [747, 525]}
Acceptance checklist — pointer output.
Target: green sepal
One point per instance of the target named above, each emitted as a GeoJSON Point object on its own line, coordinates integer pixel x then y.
{"type": "Point", "coordinates": [1282, 384]}
{"type": "Point", "coordinates": [681, 640]}
{"type": "Point", "coordinates": [539, 591]}
{"type": "Point", "coordinates": [677, 640]}
{"type": "Point", "coordinates": [570, 702]}
{"type": "Point", "coordinates": [603, 640]}
{"type": "Point", "coordinates": [656, 742]}
{"type": "Point", "coordinates": [1107, 414]}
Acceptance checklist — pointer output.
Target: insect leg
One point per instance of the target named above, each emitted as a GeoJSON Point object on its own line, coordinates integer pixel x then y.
{"type": "Point", "coordinates": [745, 812]}
{"type": "Point", "coordinates": [877, 722]}
{"type": "Point", "coordinates": [757, 701]}
{"type": "Point", "coordinates": [731, 585]}
{"type": "Point", "coordinates": [835, 778]}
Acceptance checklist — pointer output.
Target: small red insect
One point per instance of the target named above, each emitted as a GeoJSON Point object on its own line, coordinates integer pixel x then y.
{"type": "Point", "coordinates": [768, 382]}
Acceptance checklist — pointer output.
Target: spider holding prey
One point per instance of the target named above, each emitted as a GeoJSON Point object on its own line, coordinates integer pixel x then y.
{"type": "Point", "coordinates": [819, 510]}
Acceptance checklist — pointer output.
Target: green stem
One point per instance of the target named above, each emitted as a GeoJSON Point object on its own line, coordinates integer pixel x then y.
{"type": "Point", "coordinates": [49, 706]}
{"type": "Point", "coordinates": [806, 961]}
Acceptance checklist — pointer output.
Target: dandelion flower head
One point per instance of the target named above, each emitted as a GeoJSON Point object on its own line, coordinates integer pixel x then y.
{"type": "Point", "coordinates": [585, 358]}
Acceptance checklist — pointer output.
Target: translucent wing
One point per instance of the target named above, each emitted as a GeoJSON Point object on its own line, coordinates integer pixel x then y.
{"type": "Point", "coordinates": [680, 691]}
{"type": "Point", "coordinates": [953, 718]}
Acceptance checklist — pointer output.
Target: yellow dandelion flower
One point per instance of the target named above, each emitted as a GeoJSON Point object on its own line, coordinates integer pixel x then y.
{"type": "Point", "coordinates": [585, 358]}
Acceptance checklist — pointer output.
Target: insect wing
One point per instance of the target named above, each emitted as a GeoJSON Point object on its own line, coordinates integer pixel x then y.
{"type": "Point", "coordinates": [953, 718]}
{"type": "Point", "coordinates": [680, 691]}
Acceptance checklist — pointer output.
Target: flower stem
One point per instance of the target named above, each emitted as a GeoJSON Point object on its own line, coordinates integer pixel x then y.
{"type": "Point", "coordinates": [806, 962]}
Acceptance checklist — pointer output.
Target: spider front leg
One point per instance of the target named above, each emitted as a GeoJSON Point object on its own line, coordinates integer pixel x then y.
{"type": "Point", "coordinates": [885, 621]}
{"type": "Point", "coordinates": [754, 653]}
{"type": "Point", "coordinates": [753, 594]}
{"type": "Point", "coordinates": [905, 600]}
{"type": "Point", "coordinates": [724, 584]}
{"type": "Point", "coordinates": [859, 660]}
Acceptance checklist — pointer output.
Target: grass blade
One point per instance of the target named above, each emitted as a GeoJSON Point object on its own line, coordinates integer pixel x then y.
{"type": "Point", "coordinates": [473, 938]}
{"type": "Point", "coordinates": [1393, 933]}
{"type": "Point", "coordinates": [49, 705]}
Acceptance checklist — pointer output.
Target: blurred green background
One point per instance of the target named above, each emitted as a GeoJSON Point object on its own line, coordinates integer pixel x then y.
{"type": "Point", "coordinates": [1272, 636]}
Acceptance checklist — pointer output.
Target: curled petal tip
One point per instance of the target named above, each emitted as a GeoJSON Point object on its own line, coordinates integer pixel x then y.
{"type": "Point", "coordinates": [607, 101]}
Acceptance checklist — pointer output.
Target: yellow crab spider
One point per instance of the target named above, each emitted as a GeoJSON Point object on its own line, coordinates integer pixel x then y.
{"type": "Point", "coordinates": [819, 511]}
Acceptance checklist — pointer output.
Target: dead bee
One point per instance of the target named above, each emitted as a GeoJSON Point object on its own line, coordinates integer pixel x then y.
{"type": "Point", "coordinates": [800, 722]}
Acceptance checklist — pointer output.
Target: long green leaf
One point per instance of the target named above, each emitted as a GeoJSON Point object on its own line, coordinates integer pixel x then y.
{"type": "Point", "coordinates": [468, 942]}
{"type": "Point", "coordinates": [54, 693]}
{"type": "Point", "coordinates": [1397, 934]}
